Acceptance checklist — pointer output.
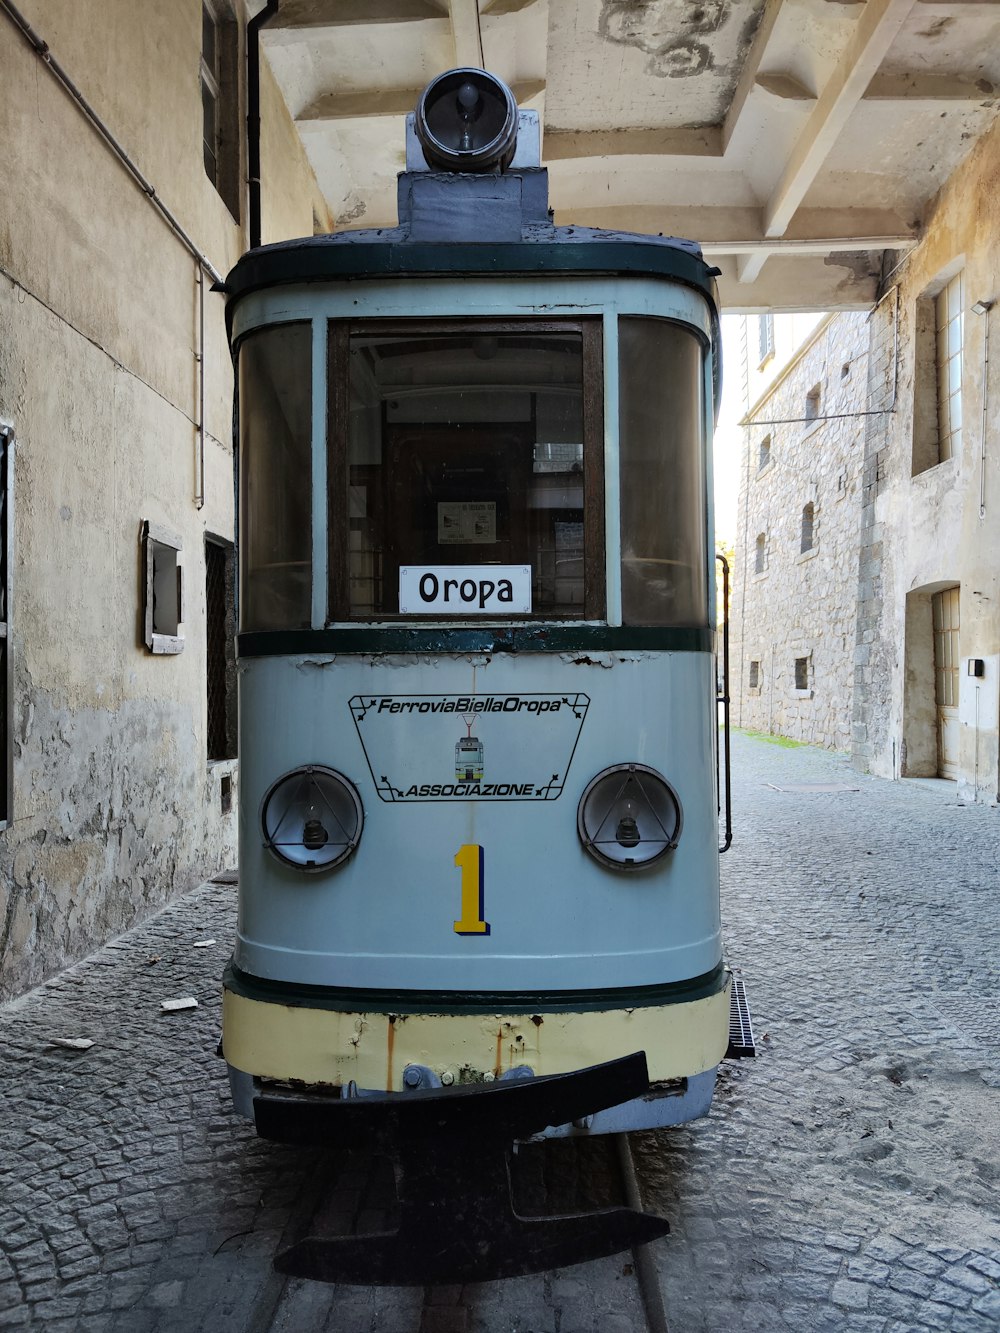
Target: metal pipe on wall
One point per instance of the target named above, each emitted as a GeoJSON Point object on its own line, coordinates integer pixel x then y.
{"type": "Point", "coordinates": [253, 117]}
{"type": "Point", "coordinates": [204, 265]}
{"type": "Point", "coordinates": [983, 308]}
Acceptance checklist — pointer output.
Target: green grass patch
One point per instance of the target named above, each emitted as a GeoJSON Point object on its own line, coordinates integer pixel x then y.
{"type": "Point", "coordinates": [785, 742]}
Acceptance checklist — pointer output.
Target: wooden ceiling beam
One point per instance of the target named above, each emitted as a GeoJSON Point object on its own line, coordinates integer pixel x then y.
{"type": "Point", "coordinates": [566, 145]}
{"type": "Point", "coordinates": [877, 26]}
{"type": "Point", "coordinates": [388, 102]}
{"type": "Point", "coordinates": [750, 70]}
{"type": "Point", "coordinates": [464, 15]}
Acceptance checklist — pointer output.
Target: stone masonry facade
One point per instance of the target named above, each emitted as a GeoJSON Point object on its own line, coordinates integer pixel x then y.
{"type": "Point", "coordinates": [795, 591]}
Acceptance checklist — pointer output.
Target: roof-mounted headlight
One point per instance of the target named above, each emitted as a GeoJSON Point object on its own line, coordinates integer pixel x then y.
{"type": "Point", "coordinates": [466, 120]}
{"type": "Point", "coordinates": [628, 817]}
{"type": "Point", "coordinates": [312, 818]}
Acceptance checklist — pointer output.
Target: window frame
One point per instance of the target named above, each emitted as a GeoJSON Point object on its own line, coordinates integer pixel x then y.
{"type": "Point", "coordinates": [220, 79]}
{"type": "Point", "coordinates": [154, 538]}
{"type": "Point", "coordinates": [765, 339]}
{"type": "Point", "coordinates": [339, 334]}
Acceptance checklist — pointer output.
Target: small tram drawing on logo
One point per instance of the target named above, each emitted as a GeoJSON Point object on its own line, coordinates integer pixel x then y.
{"type": "Point", "coordinates": [531, 739]}
{"type": "Point", "coordinates": [469, 760]}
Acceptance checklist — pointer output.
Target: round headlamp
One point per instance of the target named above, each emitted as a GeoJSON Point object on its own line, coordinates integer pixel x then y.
{"type": "Point", "coordinates": [629, 816]}
{"type": "Point", "coordinates": [312, 818]}
{"type": "Point", "coordinates": [466, 120]}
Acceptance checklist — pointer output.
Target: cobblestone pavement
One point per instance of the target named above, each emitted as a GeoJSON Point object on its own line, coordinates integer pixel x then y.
{"type": "Point", "coordinates": [846, 1179]}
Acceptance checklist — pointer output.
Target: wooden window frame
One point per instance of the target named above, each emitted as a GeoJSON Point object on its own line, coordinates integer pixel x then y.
{"type": "Point", "coordinates": [338, 410]}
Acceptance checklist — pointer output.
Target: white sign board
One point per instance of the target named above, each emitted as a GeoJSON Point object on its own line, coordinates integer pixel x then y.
{"type": "Point", "coordinates": [464, 590]}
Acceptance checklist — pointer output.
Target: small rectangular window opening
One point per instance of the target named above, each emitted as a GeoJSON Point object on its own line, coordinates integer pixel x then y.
{"type": "Point", "coordinates": [808, 526]}
{"type": "Point", "coordinates": [802, 673]}
{"type": "Point", "coordinates": [759, 557]}
{"type": "Point", "coordinates": [813, 398]}
{"type": "Point", "coordinates": [755, 675]}
{"type": "Point", "coordinates": [765, 335]}
{"type": "Point", "coordinates": [764, 453]}
{"type": "Point", "coordinates": [164, 608]}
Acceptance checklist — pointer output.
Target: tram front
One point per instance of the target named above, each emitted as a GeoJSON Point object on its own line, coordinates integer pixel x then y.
{"type": "Point", "coordinates": [478, 813]}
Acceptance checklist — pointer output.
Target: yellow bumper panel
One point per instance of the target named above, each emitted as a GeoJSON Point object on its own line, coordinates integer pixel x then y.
{"type": "Point", "coordinates": [331, 1048]}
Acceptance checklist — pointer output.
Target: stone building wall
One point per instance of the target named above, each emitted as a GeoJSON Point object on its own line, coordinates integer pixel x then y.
{"type": "Point", "coordinates": [915, 519]}
{"type": "Point", "coordinates": [933, 523]}
{"type": "Point", "coordinates": [114, 805]}
{"type": "Point", "coordinates": [794, 610]}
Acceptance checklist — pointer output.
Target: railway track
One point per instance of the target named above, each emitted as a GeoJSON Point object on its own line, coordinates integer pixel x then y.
{"type": "Point", "coordinates": [353, 1194]}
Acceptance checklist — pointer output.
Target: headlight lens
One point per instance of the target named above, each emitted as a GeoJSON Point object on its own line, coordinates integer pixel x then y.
{"type": "Point", "coordinates": [312, 818]}
{"type": "Point", "coordinates": [629, 816]}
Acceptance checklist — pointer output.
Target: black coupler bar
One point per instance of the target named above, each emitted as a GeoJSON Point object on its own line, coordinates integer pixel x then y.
{"type": "Point", "coordinates": [452, 1154]}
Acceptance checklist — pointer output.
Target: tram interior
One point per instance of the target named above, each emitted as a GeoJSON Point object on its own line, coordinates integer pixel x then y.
{"type": "Point", "coordinates": [466, 448]}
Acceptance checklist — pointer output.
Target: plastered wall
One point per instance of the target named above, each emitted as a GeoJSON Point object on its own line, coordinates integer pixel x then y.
{"type": "Point", "coordinates": [927, 527]}
{"type": "Point", "coordinates": [115, 805]}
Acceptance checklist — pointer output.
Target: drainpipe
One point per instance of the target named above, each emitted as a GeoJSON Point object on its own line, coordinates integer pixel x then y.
{"type": "Point", "coordinates": [253, 115]}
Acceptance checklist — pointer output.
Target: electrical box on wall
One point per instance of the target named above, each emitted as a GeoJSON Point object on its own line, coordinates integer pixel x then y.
{"type": "Point", "coordinates": [977, 667]}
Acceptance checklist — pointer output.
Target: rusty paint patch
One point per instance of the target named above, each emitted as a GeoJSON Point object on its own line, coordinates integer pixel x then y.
{"type": "Point", "coordinates": [499, 1056]}
{"type": "Point", "coordinates": [390, 1051]}
{"type": "Point", "coordinates": [537, 1019]}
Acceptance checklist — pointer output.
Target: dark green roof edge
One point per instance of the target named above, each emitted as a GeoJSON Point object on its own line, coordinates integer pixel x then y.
{"type": "Point", "coordinates": [321, 259]}
{"type": "Point", "coordinates": [541, 638]}
{"type": "Point", "coordinates": [350, 1000]}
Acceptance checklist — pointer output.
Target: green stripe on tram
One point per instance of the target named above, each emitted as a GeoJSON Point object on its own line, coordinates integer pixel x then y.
{"type": "Point", "coordinates": [358, 1001]}
{"type": "Point", "coordinates": [539, 638]}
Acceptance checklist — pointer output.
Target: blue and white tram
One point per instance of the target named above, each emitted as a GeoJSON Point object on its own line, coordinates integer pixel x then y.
{"type": "Point", "coordinates": [478, 810]}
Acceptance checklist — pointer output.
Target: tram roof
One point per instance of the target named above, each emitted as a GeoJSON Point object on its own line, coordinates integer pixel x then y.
{"type": "Point", "coordinates": [542, 248]}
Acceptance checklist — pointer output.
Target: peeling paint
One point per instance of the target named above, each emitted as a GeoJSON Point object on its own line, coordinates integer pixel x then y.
{"type": "Point", "coordinates": [666, 30]}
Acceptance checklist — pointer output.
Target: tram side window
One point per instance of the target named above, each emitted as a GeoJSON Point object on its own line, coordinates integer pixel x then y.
{"type": "Point", "coordinates": [472, 446]}
{"type": "Point", "coordinates": [275, 388]}
{"type": "Point", "coordinates": [662, 450]}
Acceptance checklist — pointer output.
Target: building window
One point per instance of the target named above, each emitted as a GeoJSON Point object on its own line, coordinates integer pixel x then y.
{"type": "Point", "coordinates": [808, 527]}
{"type": "Point", "coordinates": [802, 673]}
{"type": "Point", "coordinates": [220, 665]}
{"type": "Point", "coordinates": [760, 551]}
{"type": "Point", "coordinates": [6, 662]}
{"type": "Point", "coordinates": [813, 398]}
{"type": "Point", "coordinates": [163, 581]}
{"type": "Point", "coordinates": [755, 675]}
{"type": "Point", "coordinates": [220, 101]}
{"type": "Point", "coordinates": [948, 313]}
{"type": "Point", "coordinates": [764, 453]}
{"type": "Point", "coordinates": [765, 336]}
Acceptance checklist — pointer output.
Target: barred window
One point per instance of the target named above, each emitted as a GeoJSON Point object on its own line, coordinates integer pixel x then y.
{"type": "Point", "coordinates": [755, 675]}
{"type": "Point", "coordinates": [220, 664]}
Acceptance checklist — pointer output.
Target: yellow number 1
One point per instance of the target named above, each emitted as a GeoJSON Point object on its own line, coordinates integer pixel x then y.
{"type": "Point", "coordinates": [469, 860]}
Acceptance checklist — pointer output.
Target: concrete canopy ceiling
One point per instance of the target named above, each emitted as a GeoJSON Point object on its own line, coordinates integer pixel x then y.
{"type": "Point", "coordinates": [796, 140]}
